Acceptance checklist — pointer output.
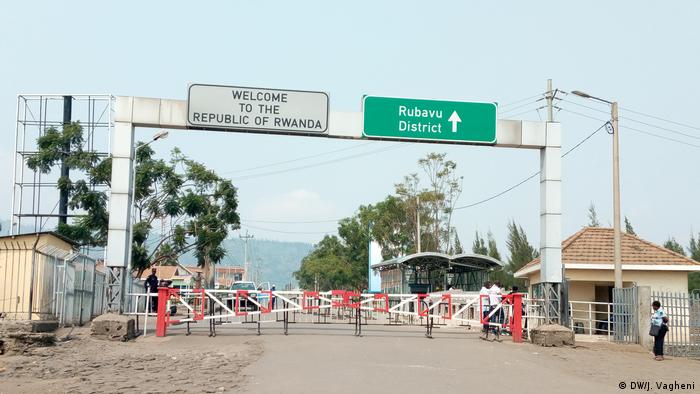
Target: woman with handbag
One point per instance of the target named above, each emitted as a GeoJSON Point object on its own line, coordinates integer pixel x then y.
{"type": "Point", "coordinates": [658, 329]}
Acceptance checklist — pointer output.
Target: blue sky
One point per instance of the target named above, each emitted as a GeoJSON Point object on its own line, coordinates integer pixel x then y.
{"type": "Point", "coordinates": [643, 54]}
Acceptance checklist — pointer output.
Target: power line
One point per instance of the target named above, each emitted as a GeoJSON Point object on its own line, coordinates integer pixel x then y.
{"type": "Point", "coordinates": [662, 119]}
{"type": "Point", "coordinates": [396, 146]}
{"type": "Point", "coordinates": [520, 106]}
{"type": "Point", "coordinates": [636, 121]}
{"type": "Point", "coordinates": [285, 232]}
{"type": "Point", "coordinates": [627, 127]}
{"type": "Point", "coordinates": [533, 175]}
{"type": "Point", "coordinates": [297, 159]}
{"type": "Point", "coordinates": [294, 221]}
{"type": "Point", "coordinates": [520, 101]}
{"type": "Point", "coordinates": [524, 112]}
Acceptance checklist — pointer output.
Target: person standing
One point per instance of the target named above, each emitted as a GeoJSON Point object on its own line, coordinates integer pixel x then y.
{"type": "Point", "coordinates": [485, 307]}
{"type": "Point", "coordinates": [658, 329]}
{"type": "Point", "coordinates": [495, 295]}
{"type": "Point", "coordinates": [152, 287]}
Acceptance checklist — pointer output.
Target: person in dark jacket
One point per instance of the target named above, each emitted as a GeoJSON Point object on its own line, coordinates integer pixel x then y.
{"type": "Point", "coordinates": [152, 287]}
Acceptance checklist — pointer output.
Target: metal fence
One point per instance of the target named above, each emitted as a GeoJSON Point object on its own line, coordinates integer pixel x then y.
{"type": "Point", "coordinates": [624, 315]}
{"type": "Point", "coordinates": [49, 283]}
{"type": "Point", "coordinates": [683, 309]}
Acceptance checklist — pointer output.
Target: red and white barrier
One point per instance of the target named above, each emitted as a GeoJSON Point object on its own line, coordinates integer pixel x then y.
{"type": "Point", "coordinates": [237, 306]}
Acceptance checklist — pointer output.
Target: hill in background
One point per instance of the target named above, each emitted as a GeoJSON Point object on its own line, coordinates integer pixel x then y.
{"type": "Point", "coordinates": [275, 260]}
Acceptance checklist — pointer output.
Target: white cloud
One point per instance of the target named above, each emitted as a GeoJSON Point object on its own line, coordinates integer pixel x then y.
{"type": "Point", "coordinates": [298, 204]}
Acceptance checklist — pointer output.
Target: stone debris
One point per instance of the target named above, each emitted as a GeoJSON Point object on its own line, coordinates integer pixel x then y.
{"type": "Point", "coordinates": [552, 335]}
{"type": "Point", "coordinates": [113, 326]}
{"type": "Point", "coordinates": [20, 336]}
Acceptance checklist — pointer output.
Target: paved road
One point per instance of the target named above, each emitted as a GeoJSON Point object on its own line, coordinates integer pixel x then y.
{"type": "Point", "coordinates": [323, 359]}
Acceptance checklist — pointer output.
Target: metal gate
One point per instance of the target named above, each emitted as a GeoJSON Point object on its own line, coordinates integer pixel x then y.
{"type": "Point", "coordinates": [624, 315]}
{"type": "Point", "coordinates": [683, 309]}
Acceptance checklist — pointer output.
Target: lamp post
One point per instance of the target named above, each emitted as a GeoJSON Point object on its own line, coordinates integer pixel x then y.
{"type": "Point", "coordinates": [616, 186]}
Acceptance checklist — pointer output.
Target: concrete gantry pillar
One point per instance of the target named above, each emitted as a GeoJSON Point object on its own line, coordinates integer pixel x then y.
{"type": "Point", "coordinates": [119, 229]}
{"type": "Point", "coordinates": [550, 223]}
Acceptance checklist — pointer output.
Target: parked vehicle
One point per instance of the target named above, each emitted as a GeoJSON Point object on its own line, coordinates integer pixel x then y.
{"type": "Point", "coordinates": [244, 304]}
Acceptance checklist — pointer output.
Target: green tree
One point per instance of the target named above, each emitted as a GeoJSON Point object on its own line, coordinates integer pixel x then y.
{"type": "Point", "coordinates": [628, 227]}
{"type": "Point", "coordinates": [694, 253]}
{"type": "Point", "coordinates": [458, 245]}
{"type": "Point", "coordinates": [197, 206]}
{"type": "Point", "coordinates": [520, 250]}
{"type": "Point", "coordinates": [88, 172]}
{"type": "Point", "coordinates": [326, 266]}
{"type": "Point", "coordinates": [672, 244]}
{"type": "Point", "coordinates": [479, 245]}
{"type": "Point", "coordinates": [493, 248]}
{"type": "Point", "coordinates": [445, 188]}
{"type": "Point", "coordinates": [592, 216]}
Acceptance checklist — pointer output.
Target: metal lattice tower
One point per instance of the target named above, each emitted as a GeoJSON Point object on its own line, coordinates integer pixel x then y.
{"type": "Point", "coordinates": [35, 196]}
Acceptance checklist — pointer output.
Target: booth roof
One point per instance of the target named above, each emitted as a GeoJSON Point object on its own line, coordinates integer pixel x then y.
{"type": "Point", "coordinates": [467, 260]}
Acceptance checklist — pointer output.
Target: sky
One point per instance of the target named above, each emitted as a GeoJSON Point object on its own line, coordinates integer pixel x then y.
{"type": "Point", "coordinates": [641, 53]}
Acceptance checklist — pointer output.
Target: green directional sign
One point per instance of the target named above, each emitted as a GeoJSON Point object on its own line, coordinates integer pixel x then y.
{"type": "Point", "coordinates": [435, 120]}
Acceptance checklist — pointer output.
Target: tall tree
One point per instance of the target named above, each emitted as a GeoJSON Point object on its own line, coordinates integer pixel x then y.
{"type": "Point", "coordinates": [628, 227]}
{"type": "Point", "coordinates": [444, 190]}
{"type": "Point", "coordinates": [520, 250]}
{"type": "Point", "coordinates": [493, 248]}
{"type": "Point", "coordinates": [88, 172]}
{"type": "Point", "coordinates": [479, 245]}
{"type": "Point", "coordinates": [458, 249]}
{"type": "Point", "coordinates": [326, 266]}
{"type": "Point", "coordinates": [694, 248]}
{"type": "Point", "coordinates": [592, 216]}
{"type": "Point", "coordinates": [197, 207]}
{"type": "Point", "coordinates": [672, 244]}
{"type": "Point", "coordinates": [694, 253]}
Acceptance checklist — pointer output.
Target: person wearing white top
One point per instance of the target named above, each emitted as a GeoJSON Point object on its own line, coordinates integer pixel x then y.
{"type": "Point", "coordinates": [495, 299]}
{"type": "Point", "coordinates": [485, 306]}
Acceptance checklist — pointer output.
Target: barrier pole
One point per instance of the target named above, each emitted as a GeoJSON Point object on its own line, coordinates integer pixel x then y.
{"type": "Point", "coordinates": [517, 329]}
{"type": "Point", "coordinates": [161, 324]}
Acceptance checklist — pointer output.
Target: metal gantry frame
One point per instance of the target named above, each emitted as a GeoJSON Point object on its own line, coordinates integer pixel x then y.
{"type": "Point", "coordinates": [132, 112]}
{"type": "Point", "coordinates": [35, 195]}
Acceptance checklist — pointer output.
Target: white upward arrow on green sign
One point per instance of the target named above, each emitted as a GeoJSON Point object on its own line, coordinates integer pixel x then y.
{"type": "Point", "coordinates": [454, 118]}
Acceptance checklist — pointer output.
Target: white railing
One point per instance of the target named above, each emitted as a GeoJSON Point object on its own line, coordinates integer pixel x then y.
{"type": "Point", "coordinates": [591, 318]}
{"type": "Point", "coordinates": [586, 317]}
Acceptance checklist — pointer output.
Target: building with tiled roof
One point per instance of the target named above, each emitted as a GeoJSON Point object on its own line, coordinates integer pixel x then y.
{"type": "Point", "coordinates": [587, 257]}
{"type": "Point", "coordinates": [224, 277]}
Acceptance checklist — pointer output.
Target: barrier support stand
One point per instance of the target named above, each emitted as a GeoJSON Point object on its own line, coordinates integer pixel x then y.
{"type": "Point", "coordinates": [517, 329]}
{"type": "Point", "coordinates": [161, 323]}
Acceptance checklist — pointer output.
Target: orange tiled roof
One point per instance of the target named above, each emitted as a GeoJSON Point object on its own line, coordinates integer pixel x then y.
{"type": "Point", "coordinates": [594, 245]}
{"type": "Point", "coordinates": [162, 272]}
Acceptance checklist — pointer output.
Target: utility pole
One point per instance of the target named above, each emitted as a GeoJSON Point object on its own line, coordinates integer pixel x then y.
{"type": "Point", "coordinates": [63, 194]}
{"type": "Point", "coordinates": [246, 268]}
{"type": "Point", "coordinates": [417, 223]}
{"type": "Point", "coordinates": [616, 197]}
{"type": "Point", "coordinates": [550, 98]}
{"type": "Point", "coordinates": [617, 231]}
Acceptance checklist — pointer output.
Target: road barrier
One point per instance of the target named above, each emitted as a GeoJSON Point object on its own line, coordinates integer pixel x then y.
{"type": "Point", "coordinates": [232, 307]}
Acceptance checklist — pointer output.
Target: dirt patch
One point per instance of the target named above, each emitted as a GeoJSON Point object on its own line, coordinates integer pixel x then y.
{"type": "Point", "coordinates": [83, 364]}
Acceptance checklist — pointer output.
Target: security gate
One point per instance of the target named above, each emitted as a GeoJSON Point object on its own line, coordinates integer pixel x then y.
{"type": "Point", "coordinates": [683, 309]}
{"type": "Point", "coordinates": [624, 315]}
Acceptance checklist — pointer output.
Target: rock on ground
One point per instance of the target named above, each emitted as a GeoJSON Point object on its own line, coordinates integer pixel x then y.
{"type": "Point", "coordinates": [113, 326]}
{"type": "Point", "coordinates": [552, 335]}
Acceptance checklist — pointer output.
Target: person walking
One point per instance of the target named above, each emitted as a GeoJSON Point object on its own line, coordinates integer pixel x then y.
{"type": "Point", "coordinates": [152, 287]}
{"type": "Point", "coordinates": [658, 329]}
{"type": "Point", "coordinates": [485, 307]}
{"type": "Point", "coordinates": [495, 295]}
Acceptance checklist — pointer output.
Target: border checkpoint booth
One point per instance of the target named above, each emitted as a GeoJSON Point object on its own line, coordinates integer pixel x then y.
{"type": "Point", "coordinates": [428, 272]}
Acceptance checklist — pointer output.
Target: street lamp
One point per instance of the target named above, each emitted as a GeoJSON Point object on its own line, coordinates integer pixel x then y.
{"type": "Point", "coordinates": [616, 185]}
